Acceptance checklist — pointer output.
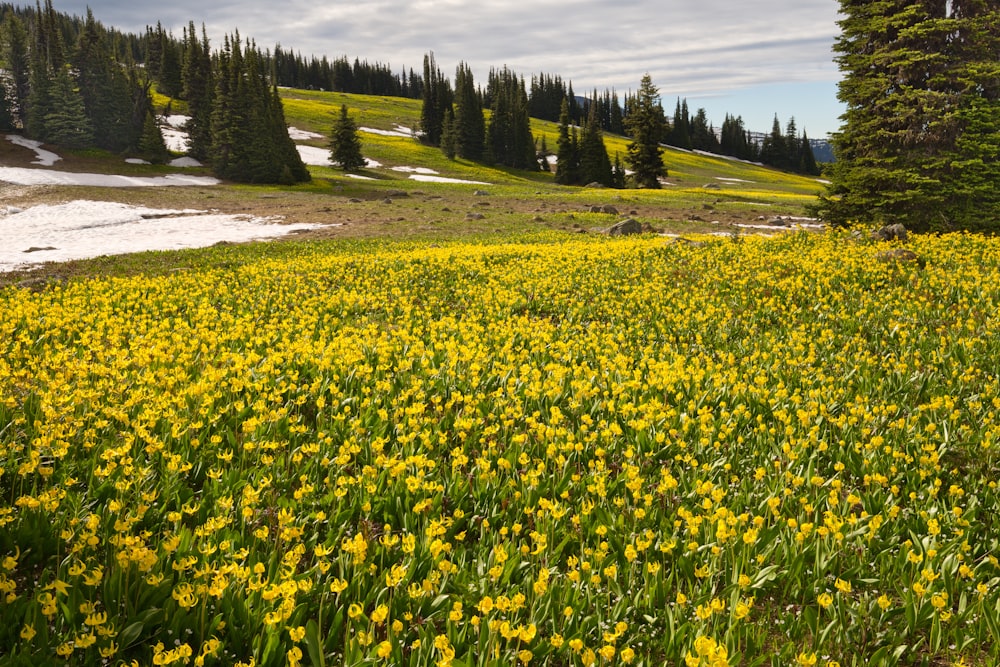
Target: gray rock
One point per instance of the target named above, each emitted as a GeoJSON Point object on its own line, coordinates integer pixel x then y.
{"type": "Point", "coordinates": [626, 227]}
{"type": "Point", "coordinates": [609, 209]}
{"type": "Point", "coordinates": [895, 232]}
{"type": "Point", "coordinates": [481, 193]}
{"type": "Point", "coordinates": [474, 216]}
{"type": "Point", "coordinates": [712, 186]}
{"type": "Point", "coordinates": [778, 221]}
{"type": "Point", "coordinates": [594, 184]}
{"type": "Point", "coordinates": [901, 255]}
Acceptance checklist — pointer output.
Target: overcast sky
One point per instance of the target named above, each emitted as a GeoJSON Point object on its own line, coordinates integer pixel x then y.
{"type": "Point", "coordinates": [754, 58]}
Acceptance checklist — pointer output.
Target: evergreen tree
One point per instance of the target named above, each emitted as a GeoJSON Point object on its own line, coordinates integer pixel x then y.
{"type": "Point", "coordinates": [6, 113]}
{"type": "Point", "coordinates": [14, 38]}
{"type": "Point", "coordinates": [918, 144]}
{"type": "Point", "coordinates": [773, 151]}
{"type": "Point", "coordinates": [345, 145]}
{"type": "Point", "coordinates": [595, 165]}
{"type": "Point", "coordinates": [508, 138]}
{"type": "Point", "coordinates": [567, 151]}
{"type": "Point", "coordinates": [702, 134]}
{"type": "Point", "coordinates": [449, 140]}
{"type": "Point", "coordinates": [437, 99]}
{"type": "Point", "coordinates": [66, 123]}
{"type": "Point", "coordinates": [151, 145]}
{"type": "Point", "coordinates": [646, 126]}
{"type": "Point", "coordinates": [806, 160]}
{"type": "Point", "coordinates": [198, 90]}
{"type": "Point", "coordinates": [104, 87]}
{"type": "Point", "coordinates": [250, 141]}
{"type": "Point", "coordinates": [680, 132]}
{"type": "Point", "coordinates": [169, 82]}
{"type": "Point", "coordinates": [469, 124]}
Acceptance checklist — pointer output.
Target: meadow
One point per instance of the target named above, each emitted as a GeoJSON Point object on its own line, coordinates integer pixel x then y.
{"type": "Point", "coordinates": [543, 450]}
{"type": "Point", "coordinates": [421, 438]}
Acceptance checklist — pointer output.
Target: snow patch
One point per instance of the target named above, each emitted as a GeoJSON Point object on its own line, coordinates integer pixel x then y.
{"type": "Point", "coordinates": [135, 160]}
{"type": "Point", "coordinates": [360, 177]}
{"type": "Point", "coordinates": [416, 170]}
{"type": "Point", "coordinates": [176, 120]}
{"type": "Point", "coordinates": [22, 176]}
{"type": "Point", "coordinates": [82, 228]}
{"type": "Point", "coordinates": [42, 156]}
{"type": "Point", "coordinates": [400, 131]}
{"type": "Point", "coordinates": [176, 140]}
{"type": "Point", "coordinates": [732, 180]}
{"type": "Point", "coordinates": [425, 178]}
{"type": "Point", "coordinates": [312, 155]}
{"type": "Point", "coordinates": [302, 135]}
{"type": "Point", "coordinates": [184, 162]}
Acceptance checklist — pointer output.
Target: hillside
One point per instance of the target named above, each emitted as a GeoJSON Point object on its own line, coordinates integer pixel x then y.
{"type": "Point", "coordinates": [704, 194]}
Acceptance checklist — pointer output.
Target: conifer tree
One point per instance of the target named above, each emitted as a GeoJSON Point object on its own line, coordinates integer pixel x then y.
{"type": "Point", "coordinates": [6, 113]}
{"type": "Point", "coordinates": [646, 126]}
{"type": "Point", "coordinates": [437, 99]}
{"type": "Point", "coordinates": [469, 124]}
{"type": "Point", "coordinates": [449, 140]}
{"type": "Point", "coordinates": [14, 38]}
{"type": "Point", "coordinates": [595, 165]}
{"type": "Point", "coordinates": [104, 87]}
{"type": "Point", "coordinates": [509, 140]}
{"type": "Point", "coordinates": [66, 122]}
{"type": "Point", "coordinates": [198, 91]}
{"type": "Point", "coordinates": [345, 145]}
{"type": "Point", "coordinates": [567, 151]}
{"type": "Point", "coordinates": [151, 145]}
{"type": "Point", "coordinates": [918, 144]}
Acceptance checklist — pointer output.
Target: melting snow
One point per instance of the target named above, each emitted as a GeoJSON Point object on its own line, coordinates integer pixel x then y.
{"type": "Point", "coordinates": [416, 170]}
{"type": "Point", "coordinates": [43, 157]}
{"type": "Point", "coordinates": [400, 131]}
{"type": "Point", "coordinates": [22, 176]}
{"type": "Point", "coordinates": [184, 162]}
{"type": "Point", "coordinates": [302, 135]}
{"type": "Point", "coordinates": [81, 229]}
{"type": "Point", "coordinates": [441, 179]}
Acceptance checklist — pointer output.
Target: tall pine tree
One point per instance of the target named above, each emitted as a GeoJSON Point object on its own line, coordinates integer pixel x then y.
{"type": "Point", "coordinates": [345, 145]}
{"type": "Point", "coordinates": [647, 127]}
{"type": "Point", "coordinates": [470, 124]}
{"type": "Point", "coordinates": [918, 143]}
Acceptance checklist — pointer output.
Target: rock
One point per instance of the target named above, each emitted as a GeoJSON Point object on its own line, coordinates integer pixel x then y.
{"type": "Point", "coordinates": [895, 232]}
{"type": "Point", "coordinates": [538, 218]}
{"type": "Point", "coordinates": [481, 193]}
{"type": "Point", "coordinates": [387, 200]}
{"type": "Point", "coordinates": [39, 249]}
{"type": "Point", "coordinates": [778, 221]}
{"type": "Point", "coordinates": [626, 227]}
{"type": "Point", "coordinates": [684, 241]}
{"type": "Point", "coordinates": [594, 184]}
{"type": "Point", "coordinates": [696, 218]}
{"type": "Point", "coordinates": [594, 209]}
{"type": "Point", "coordinates": [901, 255]}
{"type": "Point", "coordinates": [712, 186]}
{"type": "Point", "coordinates": [609, 209]}
{"type": "Point", "coordinates": [474, 216]}
{"type": "Point", "coordinates": [397, 193]}
{"type": "Point", "coordinates": [354, 200]}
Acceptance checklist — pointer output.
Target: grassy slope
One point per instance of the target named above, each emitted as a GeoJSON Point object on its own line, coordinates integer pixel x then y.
{"type": "Point", "coordinates": [518, 202]}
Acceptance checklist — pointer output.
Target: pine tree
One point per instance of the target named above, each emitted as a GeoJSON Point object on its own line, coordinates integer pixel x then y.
{"type": "Point", "coordinates": [469, 125]}
{"type": "Point", "coordinates": [595, 165]}
{"type": "Point", "coordinates": [6, 113]}
{"type": "Point", "coordinates": [345, 145]}
{"type": "Point", "coordinates": [773, 151]}
{"type": "Point", "coordinates": [66, 123]}
{"type": "Point", "coordinates": [198, 91]}
{"type": "Point", "coordinates": [567, 151]}
{"type": "Point", "coordinates": [170, 67]}
{"type": "Point", "coordinates": [449, 140]}
{"type": "Point", "coordinates": [104, 87]}
{"type": "Point", "coordinates": [806, 160]}
{"type": "Point", "coordinates": [702, 134]}
{"type": "Point", "coordinates": [437, 99]}
{"type": "Point", "coordinates": [14, 38]}
{"type": "Point", "coordinates": [921, 85]}
{"type": "Point", "coordinates": [646, 126]}
{"type": "Point", "coordinates": [151, 145]}
{"type": "Point", "coordinates": [508, 138]}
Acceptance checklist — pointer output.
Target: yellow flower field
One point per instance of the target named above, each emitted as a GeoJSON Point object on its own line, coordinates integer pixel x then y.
{"type": "Point", "coordinates": [539, 452]}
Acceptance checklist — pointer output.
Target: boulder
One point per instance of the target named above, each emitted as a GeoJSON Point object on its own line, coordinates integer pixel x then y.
{"type": "Point", "coordinates": [481, 193]}
{"type": "Point", "coordinates": [626, 227]}
{"type": "Point", "coordinates": [474, 216]}
{"type": "Point", "coordinates": [712, 186]}
{"type": "Point", "coordinates": [895, 232]}
{"type": "Point", "coordinates": [901, 255]}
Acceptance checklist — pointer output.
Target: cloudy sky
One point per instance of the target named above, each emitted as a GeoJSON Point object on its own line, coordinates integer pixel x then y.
{"type": "Point", "coordinates": [754, 58]}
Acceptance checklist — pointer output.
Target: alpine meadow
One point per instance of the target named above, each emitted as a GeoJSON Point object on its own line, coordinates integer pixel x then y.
{"type": "Point", "coordinates": [529, 378]}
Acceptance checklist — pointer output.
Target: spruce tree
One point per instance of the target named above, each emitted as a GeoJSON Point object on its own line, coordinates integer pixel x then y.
{"type": "Point", "coordinates": [198, 91]}
{"type": "Point", "coordinates": [6, 113]}
{"type": "Point", "coordinates": [14, 38]}
{"type": "Point", "coordinates": [918, 144]}
{"type": "Point", "coordinates": [595, 165]}
{"type": "Point", "coordinates": [470, 125]}
{"type": "Point", "coordinates": [66, 123]}
{"type": "Point", "coordinates": [345, 145]}
{"type": "Point", "coordinates": [646, 126]}
{"type": "Point", "coordinates": [151, 145]}
{"type": "Point", "coordinates": [449, 140]}
{"type": "Point", "coordinates": [567, 151]}
{"type": "Point", "coordinates": [104, 87]}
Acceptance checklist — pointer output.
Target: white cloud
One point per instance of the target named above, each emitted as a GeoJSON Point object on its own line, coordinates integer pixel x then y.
{"type": "Point", "coordinates": [703, 48]}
